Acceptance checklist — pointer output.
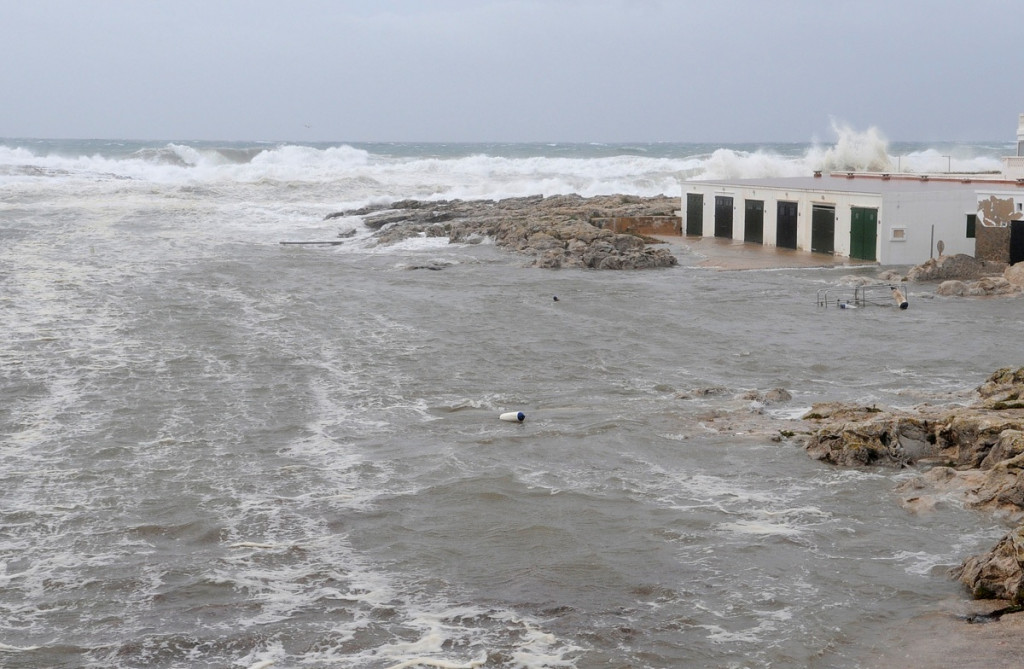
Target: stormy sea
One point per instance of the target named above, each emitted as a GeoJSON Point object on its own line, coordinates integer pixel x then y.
{"type": "Point", "coordinates": [217, 450]}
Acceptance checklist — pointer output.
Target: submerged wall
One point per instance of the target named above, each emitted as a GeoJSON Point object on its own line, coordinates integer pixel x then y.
{"type": "Point", "coordinates": [642, 225]}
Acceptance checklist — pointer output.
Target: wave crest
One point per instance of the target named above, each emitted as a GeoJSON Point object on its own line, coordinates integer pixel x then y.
{"type": "Point", "coordinates": [853, 151]}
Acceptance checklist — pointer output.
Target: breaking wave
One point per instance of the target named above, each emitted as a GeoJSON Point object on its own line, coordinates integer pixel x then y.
{"type": "Point", "coordinates": [478, 171]}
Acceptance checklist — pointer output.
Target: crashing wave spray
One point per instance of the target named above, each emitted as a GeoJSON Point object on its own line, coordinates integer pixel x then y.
{"type": "Point", "coordinates": [853, 151]}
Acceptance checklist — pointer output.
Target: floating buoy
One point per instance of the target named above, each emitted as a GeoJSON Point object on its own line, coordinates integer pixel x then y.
{"type": "Point", "coordinates": [513, 416]}
{"type": "Point", "coordinates": [898, 296]}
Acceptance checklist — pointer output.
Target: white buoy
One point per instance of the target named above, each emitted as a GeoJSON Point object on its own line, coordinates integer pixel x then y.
{"type": "Point", "coordinates": [513, 416]}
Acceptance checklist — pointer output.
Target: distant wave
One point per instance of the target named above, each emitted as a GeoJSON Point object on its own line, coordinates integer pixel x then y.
{"type": "Point", "coordinates": [477, 171]}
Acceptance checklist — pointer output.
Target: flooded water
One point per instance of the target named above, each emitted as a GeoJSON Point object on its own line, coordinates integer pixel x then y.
{"type": "Point", "coordinates": [222, 451]}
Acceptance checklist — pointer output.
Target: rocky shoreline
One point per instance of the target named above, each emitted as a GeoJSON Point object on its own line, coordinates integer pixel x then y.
{"type": "Point", "coordinates": [966, 448]}
{"type": "Point", "coordinates": [973, 453]}
{"type": "Point", "coordinates": [556, 231]}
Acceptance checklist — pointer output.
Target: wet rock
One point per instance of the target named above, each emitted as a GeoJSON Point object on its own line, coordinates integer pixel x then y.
{"type": "Point", "coordinates": [766, 397]}
{"type": "Point", "coordinates": [891, 276]}
{"type": "Point", "coordinates": [967, 436]}
{"type": "Point", "coordinates": [993, 285]}
{"type": "Point", "coordinates": [985, 287]}
{"type": "Point", "coordinates": [998, 574]}
{"type": "Point", "coordinates": [979, 455]}
{"type": "Point", "coordinates": [960, 266]}
{"type": "Point", "coordinates": [952, 288]}
{"type": "Point", "coordinates": [1015, 274]}
{"type": "Point", "coordinates": [859, 436]}
{"type": "Point", "coordinates": [556, 231]}
{"type": "Point", "coordinates": [965, 276]}
{"type": "Point", "coordinates": [1007, 451]}
{"type": "Point", "coordinates": [703, 391]}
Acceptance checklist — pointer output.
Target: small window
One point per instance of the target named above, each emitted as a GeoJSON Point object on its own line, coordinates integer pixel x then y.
{"type": "Point", "coordinates": [972, 220]}
{"type": "Point", "coordinates": [899, 234]}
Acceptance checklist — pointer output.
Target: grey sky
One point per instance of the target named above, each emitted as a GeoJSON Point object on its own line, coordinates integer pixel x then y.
{"type": "Point", "coordinates": [511, 70]}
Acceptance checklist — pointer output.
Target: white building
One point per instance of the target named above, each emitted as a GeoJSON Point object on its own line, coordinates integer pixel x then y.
{"type": "Point", "coordinates": [895, 219]}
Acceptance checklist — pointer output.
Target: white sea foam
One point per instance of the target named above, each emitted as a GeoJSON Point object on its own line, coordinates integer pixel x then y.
{"type": "Point", "coordinates": [760, 527]}
{"type": "Point", "coordinates": [362, 176]}
{"type": "Point", "coordinates": [5, 648]}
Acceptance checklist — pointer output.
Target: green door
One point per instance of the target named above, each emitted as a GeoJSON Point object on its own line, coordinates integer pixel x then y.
{"type": "Point", "coordinates": [723, 216]}
{"type": "Point", "coordinates": [786, 225]}
{"type": "Point", "coordinates": [753, 222]}
{"type": "Point", "coordinates": [823, 228]}
{"type": "Point", "coordinates": [694, 214]}
{"type": "Point", "coordinates": [863, 233]}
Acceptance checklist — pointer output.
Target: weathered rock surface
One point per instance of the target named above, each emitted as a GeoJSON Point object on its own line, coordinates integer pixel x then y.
{"type": "Point", "coordinates": [965, 276]}
{"type": "Point", "coordinates": [976, 453]}
{"type": "Point", "coordinates": [1015, 274]}
{"type": "Point", "coordinates": [959, 266]}
{"type": "Point", "coordinates": [997, 574]}
{"type": "Point", "coordinates": [990, 285]}
{"type": "Point", "coordinates": [556, 231]}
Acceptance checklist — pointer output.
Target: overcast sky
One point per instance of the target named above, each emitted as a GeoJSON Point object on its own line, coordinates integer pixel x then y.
{"type": "Point", "coordinates": [511, 70]}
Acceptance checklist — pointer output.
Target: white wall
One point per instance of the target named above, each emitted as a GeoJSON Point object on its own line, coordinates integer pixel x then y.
{"type": "Point", "coordinates": [928, 217]}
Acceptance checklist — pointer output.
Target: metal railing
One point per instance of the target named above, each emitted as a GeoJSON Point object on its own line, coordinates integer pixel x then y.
{"type": "Point", "coordinates": [880, 295]}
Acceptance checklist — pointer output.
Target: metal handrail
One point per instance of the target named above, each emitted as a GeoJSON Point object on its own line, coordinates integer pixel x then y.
{"type": "Point", "coordinates": [858, 296]}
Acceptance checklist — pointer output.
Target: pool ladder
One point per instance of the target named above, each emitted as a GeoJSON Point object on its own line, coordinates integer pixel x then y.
{"type": "Point", "coordinates": [859, 296]}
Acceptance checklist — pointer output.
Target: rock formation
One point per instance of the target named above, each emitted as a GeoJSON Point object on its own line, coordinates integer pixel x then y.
{"type": "Point", "coordinates": [960, 266]}
{"type": "Point", "coordinates": [975, 452]}
{"type": "Point", "coordinates": [965, 276]}
{"type": "Point", "coordinates": [555, 231]}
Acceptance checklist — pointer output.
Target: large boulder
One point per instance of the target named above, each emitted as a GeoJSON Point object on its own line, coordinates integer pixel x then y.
{"type": "Point", "coordinates": [1003, 385]}
{"type": "Point", "coordinates": [952, 288]}
{"type": "Point", "coordinates": [858, 436]}
{"type": "Point", "coordinates": [1015, 274]}
{"type": "Point", "coordinates": [967, 436]}
{"type": "Point", "coordinates": [998, 574]}
{"type": "Point", "coordinates": [991, 285]}
{"type": "Point", "coordinates": [984, 287]}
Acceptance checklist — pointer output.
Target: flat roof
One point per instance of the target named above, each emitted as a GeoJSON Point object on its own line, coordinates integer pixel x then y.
{"type": "Point", "coordinates": [870, 182]}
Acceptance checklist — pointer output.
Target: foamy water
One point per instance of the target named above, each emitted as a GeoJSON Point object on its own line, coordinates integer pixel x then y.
{"type": "Point", "coordinates": [221, 451]}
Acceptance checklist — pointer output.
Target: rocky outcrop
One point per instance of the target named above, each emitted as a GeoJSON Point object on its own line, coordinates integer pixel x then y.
{"type": "Point", "coordinates": [856, 436]}
{"type": "Point", "coordinates": [960, 267]}
{"type": "Point", "coordinates": [965, 276]}
{"type": "Point", "coordinates": [974, 453]}
{"type": "Point", "coordinates": [555, 231]}
{"type": "Point", "coordinates": [987, 286]}
{"type": "Point", "coordinates": [997, 574]}
{"type": "Point", "coordinates": [1014, 274]}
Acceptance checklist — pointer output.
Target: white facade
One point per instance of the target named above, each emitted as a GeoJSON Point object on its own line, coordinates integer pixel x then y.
{"type": "Point", "coordinates": [927, 218]}
{"type": "Point", "coordinates": [911, 213]}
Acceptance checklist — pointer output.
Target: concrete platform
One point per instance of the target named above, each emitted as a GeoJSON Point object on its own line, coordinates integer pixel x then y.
{"type": "Point", "coordinates": [729, 254]}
